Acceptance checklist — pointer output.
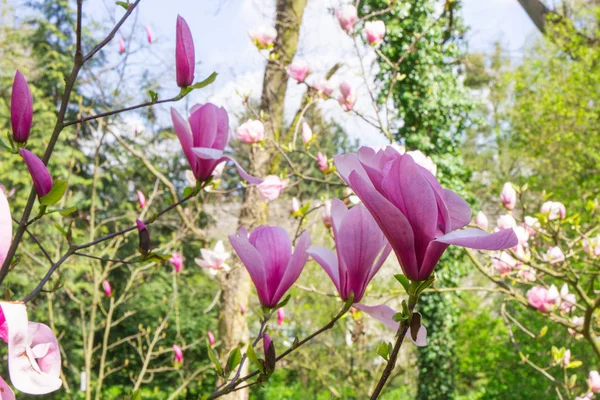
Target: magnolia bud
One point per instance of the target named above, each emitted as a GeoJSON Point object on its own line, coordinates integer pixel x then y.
{"type": "Point", "coordinates": [21, 109]}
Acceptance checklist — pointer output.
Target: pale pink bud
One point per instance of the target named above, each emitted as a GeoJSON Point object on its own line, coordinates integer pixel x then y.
{"type": "Point", "coordinates": [594, 381]}
{"type": "Point", "coordinates": [375, 31]}
{"type": "Point", "coordinates": [481, 221]}
{"type": "Point", "coordinates": [185, 54]}
{"type": "Point", "coordinates": [578, 322]}
{"type": "Point", "coordinates": [324, 87]}
{"type": "Point", "coordinates": [251, 131]}
{"type": "Point", "coordinates": [42, 181]}
{"type": "Point", "coordinates": [532, 224]}
{"type": "Point", "coordinates": [177, 261]}
{"type": "Point", "coordinates": [242, 309]}
{"type": "Point", "coordinates": [506, 221]}
{"type": "Point", "coordinates": [141, 199]}
{"type": "Point", "coordinates": [121, 46]}
{"type": "Point", "coordinates": [295, 205]}
{"type": "Point", "coordinates": [592, 246]}
{"type": "Point", "coordinates": [307, 133]}
{"type": "Point", "coordinates": [566, 358]}
{"type": "Point", "coordinates": [107, 288]}
{"type": "Point", "coordinates": [326, 213]}
{"type": "Point", "coordinates": [423, 160]}
{"type": "Point", "coordinates": [271, 188]}
{"type": "Point", "coordinates": [21, 109]}
{"type": "Point", "coordinates": [347, 96]}
{"type": "Point", "coordinates": [554, 210]}
{"type": "Point", "coordinates": [149, 34]}
{"type": "Point", "coordinates": [263, 37]}
{"type": "Point", "coordinates": [508, 196]}
{"type": "Point", "coordinates": [211, 338]}
{"type": "Point", "coordinates": [298, 70]}
{"type": "Point", "coordinates": [178, 353]}
{"type": "Point", "coordinates": [568, 299]}
{"type": "Point", "coordinates": [554, 255]}
{"type": "Point", "coordinates": [280, 316]}
{"type": "Point", "coordinates": [346, 16]}
{"type": "Point", "coordinates": [322, 162]}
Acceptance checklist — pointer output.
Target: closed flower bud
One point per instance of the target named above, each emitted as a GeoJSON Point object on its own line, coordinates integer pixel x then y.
{"type": "Point", "coordinates": [594, 381]}
{"type": "Point", "coordinates": [185, 55]}
{"type": "Point", "coordinates": [107, 288]}
{"type": "Point", "coordinates": [211, 338]}
{"type": "Point", "coordinates": [121, 46]}
{"type": "Point", "coordinates": [347, 96]}
{"type": "Point", "coordinates": [42, 181]}
{"type": "Point", "coordinates": [554, 210]}
{"type": "Point", "coordinates": [141, 199]}
{"type": "Point", "coordinates": [251, 131]}
{"type": "Point", "coordinates": [375, 31]}
{"type": "Point", "coordinates": [177, 261]}
{"type": "Point", "coordinates": [298, 70]}
{"type": "Point", "coordinates": [148, 34]}
{"type": "Point", "coordinates": [346, 16]}
{"type": "Point", "coordinates": [21, 109]}
{"type": "Point", "coordinates": [280, 316]}
{"type": "Point", "coordinates": [322, 162]}
{"type": "Point", "coordinates": [295, 205]}
{"type": "Point", "coordinates": [326, 214]}
{"type": "Point", "coordinates": [270, 355]}
{"type": "Point", "coordinates": [508, 196]}
{"type": "Point", "coordinates": [481, 221]}
{"type": "Point", "coordinates": [271, 188]}
{"type": "Point", "coordinates": [307, 133]}
{"type": "Point", "coordinates": [144, 236]}
{"type": "Point", "coordinates": [178, 352]}
{"type": "Point", "coordinates": [263, 37]}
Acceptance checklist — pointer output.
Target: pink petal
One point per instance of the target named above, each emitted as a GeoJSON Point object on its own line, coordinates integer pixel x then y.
{"type": "Point", "coordinates": [185, 58]}
{"type": "Point", "coordinates": [348, 163]}
{"type": "Point", "coordinates": [182, 129]}
{"type": "Point", "coordinates": [21, 108]}
{"type": "Point", "coordinates": [5, 227]}
{"type": "Point", "coordinates": [382, 313]}
{"type": "Point", "coordinates": [294, 267]}
{"type": "Point", "coordinates": [432, 256]}
{"type": "Point", "coordinates": [421, 336]}
{"type": "Point", "coordinates": [477, 239]}
{"type": "Point", "coordinates": [327, 259]}
{"type": "Point", "coordinates": [42, 181]}
{"type": "Point", "coordinates": [204, 123]}
{"type": "Point", "coordinates": [211, 154]}
{"type": "Point", "coordinates": [6, 393]}
{"type": "Point", "coordinates": [385, 253]}
{"type": "Point", "coordinates": [460, 212]}
{"type": "Point", "coordinates": [253, 262]}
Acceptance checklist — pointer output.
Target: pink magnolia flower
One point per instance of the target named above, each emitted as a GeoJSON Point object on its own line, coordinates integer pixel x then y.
{"type": "Point", "coordinates": [21, 109]}
{"type": "Point", "coordinates": [543, 299]}
{"type": "Point", "coordinates": [251, 131]}
{"type": "Point", "coordinates": [375, 31]}
{"type": "Point", "coordinates": [106, 287]}
{"type": "Point", "coordinates": [508, 196]}
{"type": "Point", "coordinates": [347, 96]}
{"type": "Point", "coordinates": [568, 300]}
{"type": "Point", "coordinates": [594, 381]}
{"type": "Point", "coordinates": [204, 139]}
{"type": "Point", "coordinates": [280, 316]}
{"type": "Point", "coordinates": [295, 205]}
{"type": "Point", "coordinates": [267, 255]}
{"type": "Point", "coordinates": [307, 133]}
{"type": "Point", "coordinates": [532, 224]}
{"type": "Point", "coordinates": [121, 46]}
{"type": "Point", "coordinates": [522, 235]}
{"type": "Point", "coordinates": [506, 221]}
{"type": "Point", "coordinates": [33, 353]}
{"type": "Point", "coordinates": [324, 87]}
{"type": "Point", "coordinates": [322, 162]}
{"type": "Point", "coordinates": [423, 160]}
{"type": "Point", "coordinates": [177, 261]}
{"type": "Point", "coordinates": [504, 263]}
{"type": "Point", "coordinates": [271, 188]}
{"type": "Point", "coordinates": [141, 198]}
{"type": "Point", "coordinates": [385, 314]}
{"type": "Point", "coordinates": [566, 358]}
{"type": "Point", "coordinates": [6, 391]}
{"type": "Point", "coordinates": [178, 353]}
{"type": "Point", "coordinates": [578, 322]}
{"type": "Point", "coordinates": [215, 260]}
{"type": "Point", "coordinates": [526, 273]}
{"type": "Point", "coordinates": [5, 227]}
{"type": "Point", "coordinates": [263, 37]}
{"type": "Point", "coordinates": [185, 55]}
{"type": "Point", "coordinates": [211, 338]}
{"type": "Point", "coordinates": [326, 214]}
{"type": "Point", "coordinates": [361, 249]}
{"type": "Point", "coordinates": [419, 218]}
{"type": "Point", "coordinates": [346, 16]}
{"type": "Point", "coordinates": [481, 221]}
{"type": "Point", "coordinates": [42, 181]}
{"type": "Point", "coordinates": [554, 255]}
{"type": "Point", "coordinates": [148, 34]}
{"type": "Point", "coordinates": [592, 246]}
{"type": "Point", "coordinates": [554, 210]}
{"type": "Point", "coordinates": [242, 309]}
{"type": "Point", "coordinates": [298, 70]}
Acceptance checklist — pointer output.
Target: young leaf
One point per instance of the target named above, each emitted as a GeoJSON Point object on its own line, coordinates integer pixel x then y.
{"type": "Point", "coordinates": [188, 191]}
{"type": "Point", "coordinates": [153, 96]}
{"type": "Point", "coordinates": [575, 364]}
{"type": "Point", "coordinates": [125, 5]}
{"type": "Point", "coordinates": [215, 360]}
{"type": "Point", "coordinates": [205, 82]}
{"type": "Point", "coordinates": [403, 281]}
{"type": "Point", "coordinates": [56, 193]}
{"type": "Point", "coordinates": [543, 332]}
{"type": "Point", "coordinates": [234, 359]}
{"type": "Point", "coordinates": [382, 351]}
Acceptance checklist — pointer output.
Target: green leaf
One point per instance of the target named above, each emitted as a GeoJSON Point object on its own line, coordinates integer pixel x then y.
{"type": "Point", "coordinates": [283, 302]}
{"type": "Point", "coordinates": [61, 230]}
{"type": "Point", "coordinates": [403, 281]}
{"type": "Point", "coordinates": [153, 96]}
{"type": "Point", "coordinates": [188, 191]}
{"type": "Point", "coordinates": [126, 7]}
{"type": "Point", "coordinates": [56, 193]}
{"type": "Point", "coordinates": [64, 212]}
{"type": "Point", "coordinates": [137, 395]}
{"type": "Point", "coordinates": [572, 380]}
{"type": "Point", "coordinates": [234, 359]}
{"type": "Point", "coordinates": [215, 360]}
{"type": "Point", "coordinates": [205, 82]}
{"type": "Point", "coordinates": [4, 146]}
{"type": "Point", "coordinates": [543, 332]}
{"type": "Point", "coordinates": [382, 351]}
{"type": "Point", "coordinates": [575, 364]}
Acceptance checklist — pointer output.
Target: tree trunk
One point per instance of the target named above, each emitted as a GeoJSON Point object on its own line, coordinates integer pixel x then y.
{"type": "Point", "coordinates": [235, 286]}
{"type": "Point", "coordinates": [537, 11]}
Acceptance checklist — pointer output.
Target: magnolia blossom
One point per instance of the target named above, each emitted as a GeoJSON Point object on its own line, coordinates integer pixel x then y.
{"type": "Point", "coordinates": [298, 70]}
{"type": "Point", "coordinates": [178, 352]}
{"type": "Point", "coordinates": [33, 353]}
{"type": "Point", "coordinates": [307, 133]}
{"type": "Point", "coordinates": [568, 300]}
{"type": "Point", "coordinates": [503, 262]}
{"type": "Point", "coordinates": [566, 357]}
{"type": "Point", "coordinates": [506, 221]}
{"type": "Point", "coordinates": [148, 34]}
{"type": "Point", "coordinates": [346, 16]}
{"type": "Point", "coordinates": [326, 214]}
{"type": "Point", "coordinates": [554, 255]}
{"type": "Point", "coordinates": [526, 273]}
{"type": "Point", "coordinates": [121, 46]}
{"type": "Point", "coordinates": [267, 255]}
{"type": "Point", "coordinates": [42, 181]}
{"type": "Point", "coordinates": [5, 227]}
{"type": "Point", "coordinates": [481, 221]}
{"type": "Point", "coordinates": [251, 131]}
{"type": "Point", "coordinates": [508, 196]}
{"type": "Point", "coordinates": [578, 322]}
{"type": "Point", "coordinates": [347, 96]}
{"type": "Point", "coordinates": [141, 199]}
{"type": "Point", "coordinates": [185, 54]}
{"type": "Point", "coordinates": [215, 260]}
{"type": "Point", "coordinates": [177, 261]}
{"type": "Point", "coordinates": [522, 235]}
{"type": "Point", "coordinates": [211, 338]}
{"type": "Point", "coordinates": [423, 160]}
{"type": "Point", "coordinates": [594, 381]}
{"type": "Point", "coordinates": [554, 210]}
{"type": "Point", "coordinates": [322, 162]}
{"type": "Point", "coordinates": [545, 300]}
{"type": "Point", "coordinates": [592, 246]}
{"type": "Point", "coordinates": [271, 188]}
{"type": "Point", "coordinates": [532, 224]}
{"type": "Point", "coordinates": [263, 37]}
{"type": "Point", "coordinates": [144, 236]}
{"type": "Point", "coordinates": [375, 31]}
{"type": "Point", "coordinates": [21, 109]}
{"type": "Point", "coordinates": [280, 316]}
{"type": "Point", "coordinates": [324, 87]}
{"type": "Point", "coordinates": [106, 287]}
{"type": "Point", "coordinates": [242, 309]}
{"type": "Point", "coordinates": [295, 205]}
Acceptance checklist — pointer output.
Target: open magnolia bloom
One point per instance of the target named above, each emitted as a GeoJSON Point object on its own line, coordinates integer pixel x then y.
{"type": "Point", "coordinates": [214, 260]}
{"type": "Point", "coordinates": [361, 250]}
{"type": "Point", "coordinates": [33, 353]}
{"type": "Point", "coordinates": [419, 218]}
